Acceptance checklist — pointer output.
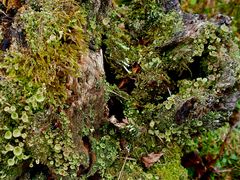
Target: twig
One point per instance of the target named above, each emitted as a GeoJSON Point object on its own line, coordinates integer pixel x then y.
{"type": "Point", "coordinates": [124, 163]}
{"type": "Point", "coordinates": [169, 91]}
{"type": "Point", "coordinates": [223, 170]}
{"type": "Point", "coordinates": [128, 158]}
{"type": "Point", "coordinates": [1, 11]}
{"type": "Point", "coordinates": [111, 91]}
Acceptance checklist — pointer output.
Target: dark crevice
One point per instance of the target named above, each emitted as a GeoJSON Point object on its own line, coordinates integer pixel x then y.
{"type": "Point", "coordinates": [196, 70]}
{"type": "Point", "coordinates": [36, 171]}
{"type": "Point", "coordinates": [194, 162]}
{"type": "Point", "coordinates": [6, 20]}
{"type": "Point", "coordinates": [127, 84]}
{"type": "Point", "coordinates": [184, 111]}
{"type": "Point", "coordinates": [96, 176]}
{"type": "Point", "coordinates": [110, 76]}
{"type": "Point", "coordinates": [115, 108]}
{"type": "Point", "coordinates": [82, 169]}
{"type": "Point", "coordinates": [5, 44]}
{"type": "Point", "coordinates": [114, 105]}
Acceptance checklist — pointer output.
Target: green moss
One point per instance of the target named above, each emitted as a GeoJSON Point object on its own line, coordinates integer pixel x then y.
{"type": "Point", "coordinates": [176, 87]}
{"type": "Point", "coordinates": [209, 144]}
{"type": "Point", "coordinates": [132, 170]}
{"type": "Point", "coordinates": [170, 167]}
{"type": "Point", "coordinates": [33, 88]}
{"type": "Point", "coordinates": [132, 36]}
{"type": "Point", "coordinates": [36, 139]}
{"type": "Point", "coordinates": [171, 101]}
{"type": "Point", "coordinates": [55, 42]}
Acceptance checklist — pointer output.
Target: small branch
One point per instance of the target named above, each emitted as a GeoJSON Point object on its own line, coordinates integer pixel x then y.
{"type": "Point", "coordinates": [113, 92]}
{"type": "Point", "coordinates": [1, 11]}
{"type": "Point", "coordinates": [128, 158]}
{"type": "Point", "coordinates": [124, 163]}
{"type": "Point", "coordinates": [223, 171]}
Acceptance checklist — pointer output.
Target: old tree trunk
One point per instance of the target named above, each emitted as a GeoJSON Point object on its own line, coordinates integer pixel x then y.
{"type": "Point", "coordinates": [105, 89]}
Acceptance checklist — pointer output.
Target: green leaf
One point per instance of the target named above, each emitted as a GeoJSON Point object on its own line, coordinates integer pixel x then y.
{"type": "Point", "coordinates": [24, 117]}
{"type": "Point", "coordinates": [57, 147]}
{"type": "Point", "coordinates": [14, 115]}
{"type": "Point", "coordinates": [39, 97]}
{"type": "Point", "coordinates": [9, 147]}
{"type": "Point", "coordinates": [224, 160]}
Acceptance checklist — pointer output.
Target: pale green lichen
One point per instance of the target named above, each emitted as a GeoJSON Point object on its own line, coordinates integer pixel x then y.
{"type": "Point", "coordinates": [34, 79]}
{"type": "Point", "coordinates": [175, 89]}
{"type": "Point", "coordinates": [106, 150]}
{"type": "Point", "coordinates": [35, 126]}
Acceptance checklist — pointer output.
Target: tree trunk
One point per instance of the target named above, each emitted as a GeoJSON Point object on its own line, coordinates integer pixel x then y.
{"type": "Point", "coordinates": [53, 75]}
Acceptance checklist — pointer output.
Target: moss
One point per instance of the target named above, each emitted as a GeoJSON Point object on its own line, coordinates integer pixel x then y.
{"type": "Point", "coordinates": [170, 167]}
{"type": "Point", "coordinates": [55, 36]}
{"type": "Point", "coordinates": [131, 170]}
{"type": "Point", "coordinates": [209, 144]}
{"type": "Point", "coordinates": [160, 95]}
{"type": "Point", "coordinates": [133, 35]}
{"type": "Point", "coordinates": [33, 88]}
{"type": "Point", "coordinates": [43, 138]}
{"type": "Point", "coordinates": [176, 88]}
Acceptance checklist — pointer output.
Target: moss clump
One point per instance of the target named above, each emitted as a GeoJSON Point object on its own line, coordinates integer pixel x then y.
{"type": "Point", "coordinates": [176, 85]}
{"type": "Point", "coordinates": [14, 129]}
{"type": "Point", "coordinates": [35, 128]}
{"type": "Point", "coordinates": [134, 31]}
{"type": "Point", "coordinates": [170, 167]}
{"type": "Point", "coordinates": [55, 42]}
{"type": "Point", "coordinates": [209, 146]}
{"type": "Point", "coordinates": [132, 170]}
{"type": "Point", "coordinates": [177, 81]}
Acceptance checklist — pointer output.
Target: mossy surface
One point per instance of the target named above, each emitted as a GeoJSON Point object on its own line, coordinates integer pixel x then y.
{"type": "Point", "coordinates": [174, 87]}
{"type": "Point", "coordinates": [35, 127]}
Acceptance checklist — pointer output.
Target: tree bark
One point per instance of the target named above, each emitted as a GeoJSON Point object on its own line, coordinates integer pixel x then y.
{"type": "Point", "coordinates": [86, 106]}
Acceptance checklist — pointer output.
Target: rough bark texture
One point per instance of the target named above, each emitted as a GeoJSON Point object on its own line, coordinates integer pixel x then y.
{"type": "Point", "coordinates": [87, 106]}
{"type": "Point", "coordinates": [69, 121]}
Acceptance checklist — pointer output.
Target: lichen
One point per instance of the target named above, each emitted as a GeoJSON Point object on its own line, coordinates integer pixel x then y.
{"type": "Point", "coordinates": [179, 86]}
{"type": "Point", "coordinates": [170, 89]}
{"type": "Point", "coordinates": [35, 126]}
{"type": "Point", "coordinates": [106, 151]}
